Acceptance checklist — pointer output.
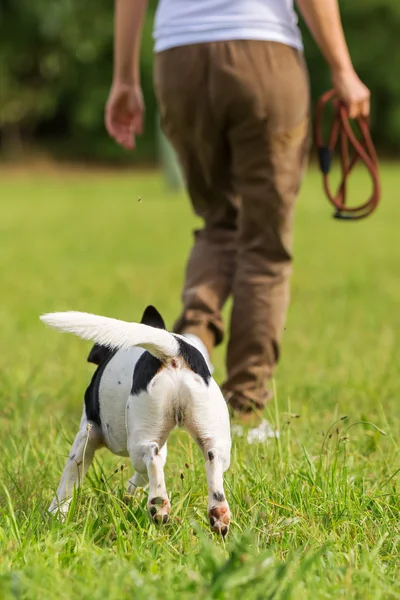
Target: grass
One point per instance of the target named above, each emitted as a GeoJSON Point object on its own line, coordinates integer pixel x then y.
{"type": "Point", "coordinates": [315, 513]}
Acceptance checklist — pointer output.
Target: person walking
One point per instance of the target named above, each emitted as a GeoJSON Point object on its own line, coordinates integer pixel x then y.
{"type": "Point", "coordinates": [233, 93]}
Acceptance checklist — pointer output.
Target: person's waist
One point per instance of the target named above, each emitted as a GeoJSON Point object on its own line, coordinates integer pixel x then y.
{"type": "Point", "coordinates": [175, 34]}
{"type": "Point", "coordinates": [183, 24]}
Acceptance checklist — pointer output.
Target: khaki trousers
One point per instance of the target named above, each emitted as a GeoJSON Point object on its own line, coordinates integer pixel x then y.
{"type": "Point", "coordinates": [237, 114]}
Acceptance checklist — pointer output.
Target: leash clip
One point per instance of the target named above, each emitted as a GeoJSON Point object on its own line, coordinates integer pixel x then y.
{"type": "Point", "coordinates": [325, 159]}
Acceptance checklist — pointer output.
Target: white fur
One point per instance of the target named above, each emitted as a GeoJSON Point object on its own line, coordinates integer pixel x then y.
{"type": "Point", "coordinates": [114, 333]}
{"type": "Point", "coordinates": [139, 425]}
{"type": "Point", "coordinates": [115, 387]}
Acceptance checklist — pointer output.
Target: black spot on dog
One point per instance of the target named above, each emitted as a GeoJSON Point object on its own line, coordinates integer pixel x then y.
{"type": "Point", "coordinates": [146, 368]}
{"type": "Point", "coordinates": [194, 359]}
{"type": "Point", "coordinates": [92, 405]}
{"type": "Point", "coordinates": [224, 531]}
{"type": "Point", "coordinates": [98, 354]}
{"type": "Point", "coordinates": [119, 383]}
{"type": "Point", "coordinates": [158, 500]}
{"type": "Point", "coordinates": [218, 497]}
{"type": "Point", "coordinates": [165, 519]}
{"type": "Point", "coordinates": [152, 317]}
{"type": "Point", "coordinates": [210, 456]}
{"type": "Point", "coordinates": [153, 510]}
{"type": "Point", "coordinates": [212, 521]}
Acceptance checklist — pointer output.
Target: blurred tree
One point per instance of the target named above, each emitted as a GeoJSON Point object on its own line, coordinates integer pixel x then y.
{"type": "Point", "coordinates": [56, 60]}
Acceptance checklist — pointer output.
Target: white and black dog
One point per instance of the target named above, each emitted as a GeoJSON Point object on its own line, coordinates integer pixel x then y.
{"type": "Point", "coordinates": [148, 381]}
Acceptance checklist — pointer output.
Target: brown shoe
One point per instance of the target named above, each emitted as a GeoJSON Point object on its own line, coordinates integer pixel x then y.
{"type": "Point", "coordinates": [248, 419]}
{"type": "Point", "coordinates": [242, 410]}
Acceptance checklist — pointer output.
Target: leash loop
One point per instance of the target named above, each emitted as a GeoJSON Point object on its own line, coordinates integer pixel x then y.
{"type": "Point", "coordinates": [363, 150]}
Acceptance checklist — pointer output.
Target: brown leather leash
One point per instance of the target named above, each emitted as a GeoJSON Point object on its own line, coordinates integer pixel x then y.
{"type": "Point", "coordinates": [362, 150]}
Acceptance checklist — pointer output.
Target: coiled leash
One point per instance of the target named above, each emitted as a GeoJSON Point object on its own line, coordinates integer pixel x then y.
{"type": "Point", "coordinates": [363, 150]}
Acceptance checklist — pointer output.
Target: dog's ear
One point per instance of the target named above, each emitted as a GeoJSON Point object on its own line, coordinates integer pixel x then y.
{"type": "Point", "coordinates": [152, 317]}
{"type": "Point", "coordinates": [98, 354]}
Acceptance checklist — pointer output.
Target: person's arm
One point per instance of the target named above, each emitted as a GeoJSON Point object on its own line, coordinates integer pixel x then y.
{"type": "Point", "coordinates": [322, 18]}
{"type": "Point", "coordinates": [125, 108]}
{"type": "Point", "coordinates": [128, 26]}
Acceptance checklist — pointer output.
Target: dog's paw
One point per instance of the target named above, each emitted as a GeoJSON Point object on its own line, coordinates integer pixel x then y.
{"type": "Point", "coordinates": [159, 509]}
{"type": "Point", "coordinates": [59, 511]}
{"type": "Point", "coordinates": [220, 518]}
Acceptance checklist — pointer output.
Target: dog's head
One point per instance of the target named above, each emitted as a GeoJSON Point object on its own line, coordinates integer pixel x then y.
{"type": "Point", "coordinates": [151, 317]}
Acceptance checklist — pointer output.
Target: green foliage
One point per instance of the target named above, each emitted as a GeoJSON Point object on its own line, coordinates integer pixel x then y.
{"type": "Point", "coordinates": [56, 61]}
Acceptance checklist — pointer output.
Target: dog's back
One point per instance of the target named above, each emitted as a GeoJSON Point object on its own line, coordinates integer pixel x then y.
{"type": "Point", "coordinates": [174, 383]}
{"type": "Point", "coordinates": [176, 389]}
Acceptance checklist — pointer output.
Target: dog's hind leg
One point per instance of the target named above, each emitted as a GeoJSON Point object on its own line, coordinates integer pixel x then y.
{"type": "Point", "coordinates": [209, 426]}
{"type": "Point", "coordinates": [149, 461]}
{"type": "Point", "coordinates": [218, 508]}
{"type": "Point", "coordinates": [149, 421]}
{"type": "Point", "coordinates": [87, 441]}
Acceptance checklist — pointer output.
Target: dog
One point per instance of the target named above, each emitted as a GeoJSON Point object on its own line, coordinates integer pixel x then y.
{"type": "Point", "coordinates": [148, 381]}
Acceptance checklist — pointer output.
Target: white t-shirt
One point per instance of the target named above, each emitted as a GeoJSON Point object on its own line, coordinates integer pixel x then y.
{"type": "Point", "coordinates": [181, 22]}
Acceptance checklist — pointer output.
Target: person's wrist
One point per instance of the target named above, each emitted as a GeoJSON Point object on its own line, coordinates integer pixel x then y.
{"type": "Point", "coordinates": [127, 78]}
{"type": "Point", "coordinates": [123, 81]}
{"type": "Point", "coordinates": [341, 69]}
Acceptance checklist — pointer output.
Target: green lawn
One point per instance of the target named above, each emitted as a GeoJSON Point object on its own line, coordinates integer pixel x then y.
{"type": "Point", "coordinates": [315, 513]}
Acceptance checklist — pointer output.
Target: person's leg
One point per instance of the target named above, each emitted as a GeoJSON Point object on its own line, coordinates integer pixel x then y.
{"type": "Point", "coordinates": [265, 94]}
{"type": "Point", "coordinates": [188, 120]}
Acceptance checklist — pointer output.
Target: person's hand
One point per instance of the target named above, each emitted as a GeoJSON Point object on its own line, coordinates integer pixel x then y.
{"type": "Point", "coordinates": [124, 114]}
{"type": "Point", "coordinates": [353, 93]}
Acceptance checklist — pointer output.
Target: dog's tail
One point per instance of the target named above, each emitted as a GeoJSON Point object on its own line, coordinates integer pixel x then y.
{"type": "Point", "coordinates": [115, 334]}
